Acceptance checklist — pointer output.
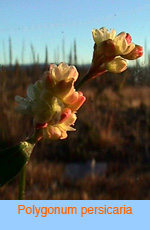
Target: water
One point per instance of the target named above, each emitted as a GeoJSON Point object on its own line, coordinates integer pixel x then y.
{"type": "Point", "coordinates": [79, 170]}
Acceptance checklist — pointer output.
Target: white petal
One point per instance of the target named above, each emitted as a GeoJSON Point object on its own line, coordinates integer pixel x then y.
{"type": "Point", "coordinates": [130, 47]}
{"type": "Point", "coordinates": [70, 121]}
{"type": "Point", "coordinates": [63, 67]}
{"type": "Point", "coordinates": [72, 73]}
{"type": "Point", "coordinates": [33, 92]}
{"type": "Point", "coordinates": [120, 43]}
{"type": "Point", "coordinates": [97, 36]}
{"type": "Point", "coordinates": [19, 99]}
{"type": "Point", "coordinates": [112, 34]}
{"type": "Point", "coordinates": [22, 101]}
{"type": "Point", "coordinates": [52, 66]}
{"type": "Point", "coordinates": [39, 84]}
{"type": "Point", "coordinates": [117, 65]}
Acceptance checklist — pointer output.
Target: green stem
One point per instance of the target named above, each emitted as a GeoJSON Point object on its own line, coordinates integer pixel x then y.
{"type": "Point", "coordinates": [35, 137]}
{"type": "Point", "coordinates": [22, 179]}
{"type": "Point", "coordinates": [22, 182]}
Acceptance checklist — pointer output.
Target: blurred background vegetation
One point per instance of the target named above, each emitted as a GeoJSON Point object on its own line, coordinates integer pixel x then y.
{"type": "Point", "coordinates": [110, 150]}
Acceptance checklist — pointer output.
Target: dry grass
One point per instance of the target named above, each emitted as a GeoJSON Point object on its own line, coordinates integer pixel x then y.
{"type": "Point", "coordinates": [46, 181]}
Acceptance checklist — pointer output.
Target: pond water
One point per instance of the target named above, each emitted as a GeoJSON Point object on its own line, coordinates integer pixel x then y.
{"type": "Point", "coordinates": [80, 170]}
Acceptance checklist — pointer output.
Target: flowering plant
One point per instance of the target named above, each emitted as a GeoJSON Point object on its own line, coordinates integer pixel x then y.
{"type": "Point", "coordinates": [53, 101]}
{"type": "Point", "coordinates": [111, 52]}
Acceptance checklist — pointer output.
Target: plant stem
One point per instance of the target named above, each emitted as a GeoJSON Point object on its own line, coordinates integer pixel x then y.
{"type": "Point", "coordinates": [82, 82]}
{"type": "Point", "coordinates": [35, 137]}
{"type": "Point", "coordinates": [22, 177]}
{"type": "Point", "coordinates": [22, 182]}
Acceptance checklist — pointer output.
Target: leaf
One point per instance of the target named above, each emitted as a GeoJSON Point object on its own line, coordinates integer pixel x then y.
{"type": "Point", "coordinates": [13, 159]}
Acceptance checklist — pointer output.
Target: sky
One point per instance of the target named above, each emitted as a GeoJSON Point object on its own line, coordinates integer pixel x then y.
{"type": "Point", "coordinates": [49, 22]}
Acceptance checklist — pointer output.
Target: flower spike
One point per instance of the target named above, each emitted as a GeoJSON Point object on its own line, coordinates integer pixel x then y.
{"type": "Point", "coordinates": [53, 102]}
{"type": "Point", "coordinates": [110, 52]}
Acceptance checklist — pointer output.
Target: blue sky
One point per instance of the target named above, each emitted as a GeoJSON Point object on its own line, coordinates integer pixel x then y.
{"type": "Point", "coordinates": [47, 22]}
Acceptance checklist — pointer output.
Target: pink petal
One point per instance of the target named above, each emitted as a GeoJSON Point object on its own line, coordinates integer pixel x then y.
{"type": "Point", "coordinates": [71, 98]}
{"type": "Point", "coordinates": [63, 88]}
{"type": "Point", "coordinates": [81, 99]}
{"type": "Point", "coordinates": [65, 114]}
{"type": "Point", "coordinates": [41, 126]}
{"type": "Point", "coordinates": [128, 38]}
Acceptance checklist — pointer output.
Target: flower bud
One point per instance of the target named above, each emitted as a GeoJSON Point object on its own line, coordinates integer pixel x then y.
{"type": "Point", "coordinates": [117, 65]}
{"type": "Point", "coordinates": [102, 35]}
{"type": "Point", "coordinates": [135, 53]}
{"type": "Point", "coordinates": [105, 50]}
